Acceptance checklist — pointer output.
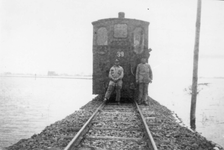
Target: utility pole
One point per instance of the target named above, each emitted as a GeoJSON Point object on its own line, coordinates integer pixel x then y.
{"type": "Point", "coordinates": [195, 68]}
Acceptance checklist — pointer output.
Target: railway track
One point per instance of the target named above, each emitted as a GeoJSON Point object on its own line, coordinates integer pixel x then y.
{"type": "Point", "coordinates": [114, 127]}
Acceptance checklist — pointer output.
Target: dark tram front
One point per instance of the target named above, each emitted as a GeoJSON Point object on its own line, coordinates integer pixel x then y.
{"type": "Point", "coordinates": [118, 38]}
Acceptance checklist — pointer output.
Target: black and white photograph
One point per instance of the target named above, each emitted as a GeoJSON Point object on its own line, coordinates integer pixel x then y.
{"type": "Point", "coordinates": [111, 74]}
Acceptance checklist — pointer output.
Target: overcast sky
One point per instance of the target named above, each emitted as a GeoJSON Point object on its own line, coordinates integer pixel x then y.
{"type": "Point", "coordinates": [56, 35]}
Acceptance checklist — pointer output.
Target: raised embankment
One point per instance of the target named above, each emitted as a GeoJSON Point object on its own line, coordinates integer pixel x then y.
{"type": "Point", "coordinates": [166, 131]}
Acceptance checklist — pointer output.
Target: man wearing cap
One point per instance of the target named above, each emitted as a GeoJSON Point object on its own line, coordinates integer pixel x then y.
{"type": "Point", "coordinates": [143, 78]}
{"type": "Point", "coordinates": [116, 74]}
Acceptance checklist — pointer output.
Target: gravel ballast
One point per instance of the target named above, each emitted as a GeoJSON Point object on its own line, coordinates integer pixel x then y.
{"type": "Point", "coordinates": [171, 135]}
{"type": "Point", "coordinates": [166, 131]}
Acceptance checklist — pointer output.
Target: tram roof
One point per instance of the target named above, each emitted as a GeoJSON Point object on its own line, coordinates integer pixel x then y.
{"type": "Point", "coordinates": [120, 18]}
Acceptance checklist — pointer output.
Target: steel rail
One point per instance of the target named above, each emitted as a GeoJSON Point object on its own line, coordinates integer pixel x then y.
{"type": "Point", "coordinates": [75, 141]}
{"type": "Point", "coordinates": [152, 142]}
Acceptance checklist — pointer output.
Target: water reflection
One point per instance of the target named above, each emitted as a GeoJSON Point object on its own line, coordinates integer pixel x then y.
{"type": "Point", "coordinates": [28, 105]}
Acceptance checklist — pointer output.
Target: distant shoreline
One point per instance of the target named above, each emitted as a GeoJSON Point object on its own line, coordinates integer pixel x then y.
{"type": "Point", "coordinates": [77, 77]}
{"type": "Point", "coordinates": [212, 77]}
{"type": "Point", "coordinates": [39, 76]}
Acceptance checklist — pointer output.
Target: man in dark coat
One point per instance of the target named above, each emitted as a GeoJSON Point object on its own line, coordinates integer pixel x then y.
{"type": "Point", "coordinates": [143, 78]}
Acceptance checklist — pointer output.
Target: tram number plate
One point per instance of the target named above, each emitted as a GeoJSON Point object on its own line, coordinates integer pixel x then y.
{"type": "Point", "coordinates": [120, 54]}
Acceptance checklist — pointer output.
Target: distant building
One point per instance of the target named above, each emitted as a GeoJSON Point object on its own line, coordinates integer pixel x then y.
{"type": "Point", "coordinates": [7, 73]}
{"type": "Point", "coordinates": [52, 73]}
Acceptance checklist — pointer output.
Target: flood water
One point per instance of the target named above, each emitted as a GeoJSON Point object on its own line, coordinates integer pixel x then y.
{"type": "Point", "coordinates": [174, 94]}
{"type": "Point", "coordinates": [28, 105]}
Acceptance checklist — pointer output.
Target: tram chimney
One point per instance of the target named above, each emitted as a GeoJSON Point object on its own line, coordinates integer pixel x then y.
{"type": "Point", "coordinates": [121, 15]}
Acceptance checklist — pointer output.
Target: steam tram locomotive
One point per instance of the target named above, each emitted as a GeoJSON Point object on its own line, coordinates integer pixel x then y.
{"type": "Point", "coordinates": [123, 39]}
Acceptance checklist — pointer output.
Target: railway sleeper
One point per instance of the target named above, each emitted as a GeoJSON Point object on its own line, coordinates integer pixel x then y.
{"type": "Point", "coordinates": [132, 125]}
{"type": "Point", "coordinates": [116, 133]}
{"type": "Point", "coordinates": [102, 143]}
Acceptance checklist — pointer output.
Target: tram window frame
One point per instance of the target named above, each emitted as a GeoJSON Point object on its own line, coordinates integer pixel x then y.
{"type": "Point", "coordinates": [102, 36]}
{"type": "Point", "coordinates": [120, 30]}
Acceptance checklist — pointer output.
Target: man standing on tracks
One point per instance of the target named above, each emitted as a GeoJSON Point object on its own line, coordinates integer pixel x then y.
{"type": "Point", "coordinates": [143, 78]}
{"type": "Point", "coordinates": [116, 74]}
